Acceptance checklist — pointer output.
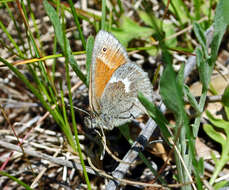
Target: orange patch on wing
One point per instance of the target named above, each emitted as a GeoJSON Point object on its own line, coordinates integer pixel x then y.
{"type": "Point", "coordinates": [104, 71]}
{"type": "Point", "coordinates": [114, 59]}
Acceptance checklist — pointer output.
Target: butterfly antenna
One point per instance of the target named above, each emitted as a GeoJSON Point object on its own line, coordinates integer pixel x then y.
{"type": "Point", "coordinates": [77, 108]}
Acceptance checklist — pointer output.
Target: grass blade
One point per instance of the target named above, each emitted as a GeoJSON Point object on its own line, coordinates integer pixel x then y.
{"type": "Point", "coordinates": [54, 18]}
{"type": "Point", "coordinates": [76, 19]}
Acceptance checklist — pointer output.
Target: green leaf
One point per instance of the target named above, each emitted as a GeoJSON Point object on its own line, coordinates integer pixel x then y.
{"type": "Point", "coordinates": [201, 166]}
{"type": "Point", "coordinates": [214, 158]}
{"type": "Point", "coordinates": [168, 27]}
{"type": "Point", "coordinates": [220, 123]}
{"type": "Point", "coordinates": [211, 132]}
{"type": "Point", "coordinates": [203, 68]}
{"type": "Point", "coordinates": [171, 92]}
{"type": "Point", "coordinates": [221, 185]}
{"type": "Point", "coordinates": [200, 36]}
{"type": "Point", "coordinates": [156, 114]}
{"type": "Point", "coordinates": [225, 5]}
{"type": "Point", "coordinates": [147, 19]}
{"type": "Point", "coordinates": [212, 89]}
{"type": "Point", "coordinates": [220, 25]}
{"type": "Point", "coordinates": [226, 109]}
{"type": "Point", "coordinates": [225, 97]}
{"type": "Point", "coordinates": [130, 30]}
{"type": "Point", "coordinates": [192, 99]}
{"type": "Point", "coordinates": [169, 30]}
{"type": "Point", "coordinates": [180, 79]}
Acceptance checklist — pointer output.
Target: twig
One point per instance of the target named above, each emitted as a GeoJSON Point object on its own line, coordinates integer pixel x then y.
{"type": "Point", "coordinates": [209, 99]}
{"type": "Point", "coordinates": [132, 154]}
{"type": "Point", "coordinates": [70, 164]}
{"type": "Point", "coordinates": [131, 182]}
{"type": "Point", "coordinates": [36, 180]}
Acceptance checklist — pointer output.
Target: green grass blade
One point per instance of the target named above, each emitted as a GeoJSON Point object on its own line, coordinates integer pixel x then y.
{"type": "Point", "coordinates": [89, 51]}
{"type": "Point", "coordinates": [27, 187]}
{"type": "Point", "coordinates": [71, 107]}
{"type": "Point", "coordinates": [76, 19]}
{"type": "Point", "coordinates": [60, 38]}
{"type": "Point", "coordinates": [103, 21]}
{"type": "Point", "coordinates": [11, 39]}
{"type": "Point", "coordinates": [54, 113]}
{"type": "Point", "coordinates": [197, 9]}
{"type": "Point", "coordinates": [16, 26]}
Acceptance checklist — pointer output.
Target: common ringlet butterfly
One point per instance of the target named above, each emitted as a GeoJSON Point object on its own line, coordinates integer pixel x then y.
{"type": "Point", "coordinates": [114, 84]}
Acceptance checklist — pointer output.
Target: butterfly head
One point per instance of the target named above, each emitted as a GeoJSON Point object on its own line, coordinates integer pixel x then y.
{"type": "Point", "coordinates": [94, 122]}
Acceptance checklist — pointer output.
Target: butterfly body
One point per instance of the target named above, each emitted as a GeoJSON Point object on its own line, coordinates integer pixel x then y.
{"type": "Point", "coordinates": [114, 83]}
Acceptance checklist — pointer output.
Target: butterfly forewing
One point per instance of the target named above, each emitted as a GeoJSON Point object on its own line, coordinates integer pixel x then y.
{"type": "Point", "coordinates": [114, 83]}
{"type": "Point", "coordinates": [108, 55]}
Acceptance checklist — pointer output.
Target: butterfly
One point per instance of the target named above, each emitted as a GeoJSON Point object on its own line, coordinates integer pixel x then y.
{"type": "Point", "coordinates": [114, 84]}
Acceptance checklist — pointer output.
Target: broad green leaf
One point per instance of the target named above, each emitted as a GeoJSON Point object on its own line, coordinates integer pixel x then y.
{"type": "Point", "coordinates": [221, 185]}
{"type": "Point", "coordinates": [211, 132]}
{"type": "Point", "coordinates": [154, 51]}
{"type": "Point", "coordinates": [156, 114]}
{"type": "Point", "coordinates": [171, 92]}
{"type": "Point", "coordinates": [130, 30]}
{"type": "Point", "coordinates": [168, 27]}
{"type": "Point", "coordinates": [226, 109]}
{"type": "Point", "coordinates": [225, 98]}
{"type": "Point", "coordinates": [220, 25]}
{"type": "Point", "coordinates": [220, 123]}
{"type": "Point", "coordinates": [169, 30]}
{"type": "Point", "coordinates": [225, 5]}
{"type": "Point", "coordinates": [147, 19]}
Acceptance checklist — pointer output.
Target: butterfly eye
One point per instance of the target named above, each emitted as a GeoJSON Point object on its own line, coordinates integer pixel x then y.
{"type": "Point", "coordinates": [104, 50]}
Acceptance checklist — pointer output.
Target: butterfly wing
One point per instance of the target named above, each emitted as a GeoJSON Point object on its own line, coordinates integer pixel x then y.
{"type": "Point", "coordinates": [119, 102]}
{"type": "Point", "coordinates": [108, 55]}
